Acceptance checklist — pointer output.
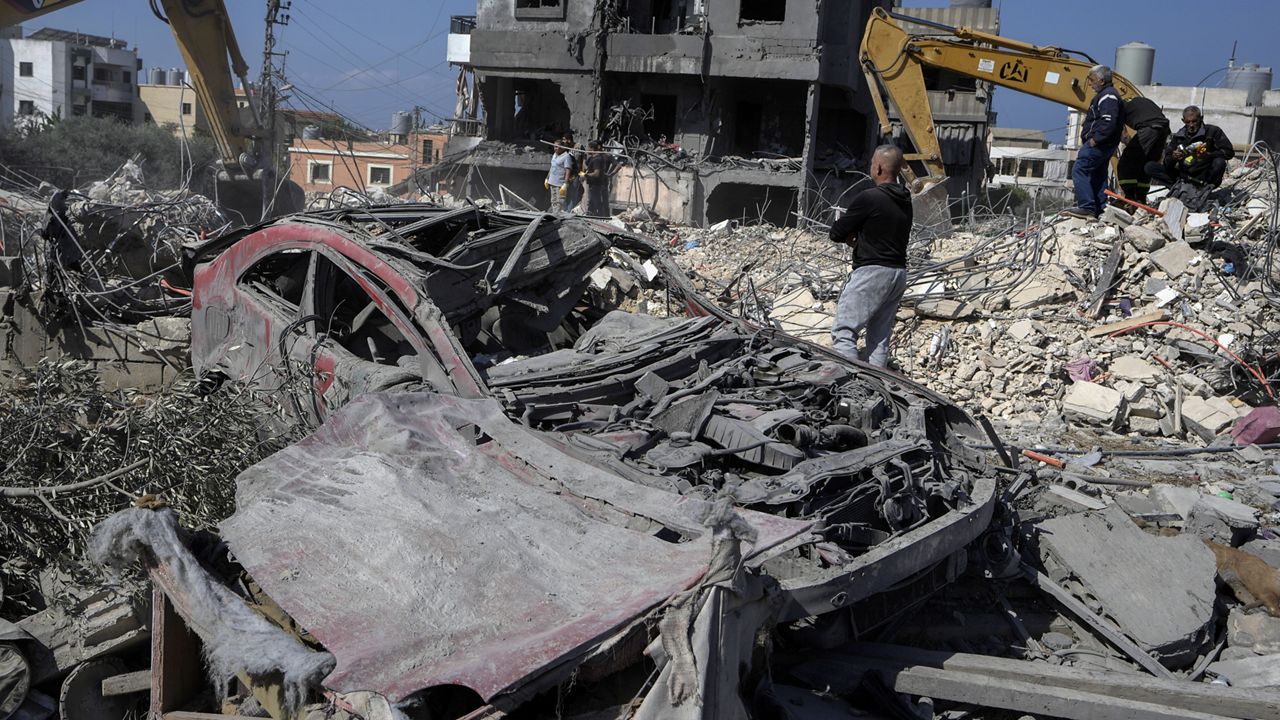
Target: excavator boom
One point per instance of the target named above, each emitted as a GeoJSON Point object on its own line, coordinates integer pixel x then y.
{"type": "Point", "coordinates": [893, 61]}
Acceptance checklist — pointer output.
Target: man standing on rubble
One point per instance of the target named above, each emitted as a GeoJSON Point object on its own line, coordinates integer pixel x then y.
{"type": "Point", "coordinates": [597, 176]}
{"type": "Point", "coordinates": [1099, 137]}
{"type": "Point", "coordinates": [878, 226]}
{"type": "Point", "coordinates": [1151, 130]}
{"type": "Point", "coordinates": [1197, 153]}
{"type": "Point", "coordinates": [558, 177]}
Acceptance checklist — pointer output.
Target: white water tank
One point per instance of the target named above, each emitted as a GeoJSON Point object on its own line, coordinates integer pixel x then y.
{"type": "Point", "coordinates": [311, 132]}
{"type": "Point", "coordinates": [175, 77]}
{"type": "Point", "coordinates": [1252, 78]}
{"type": "Point", "coordinates": [1136, 61]}
{"type": "Point", "coordinates": [401, 123]}
{"type": "Point", "coordinates": [155, 76]}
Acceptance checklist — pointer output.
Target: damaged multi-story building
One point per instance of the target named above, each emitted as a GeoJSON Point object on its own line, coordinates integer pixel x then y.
{"type": "Point", "coordinates": [726, 108]}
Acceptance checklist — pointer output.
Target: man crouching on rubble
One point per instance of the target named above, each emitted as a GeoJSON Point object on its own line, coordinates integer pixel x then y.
{"type": "Point", "coordinates": [877, 225]}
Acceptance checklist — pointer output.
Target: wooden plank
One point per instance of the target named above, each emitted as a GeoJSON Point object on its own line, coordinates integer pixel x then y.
{"type": "Point", "coordinates": [127, 683]}
{"type": "Point", "coordinates": [1127, 324]}
{"type": "Point", "coordinates": [177, 674]}
{"type": "Point", "coordinates": [1250, 704]}
{"type": "Point", "coordinates": [1032, 698]}
{"type": "Point", "coordinates": [1082, 612]}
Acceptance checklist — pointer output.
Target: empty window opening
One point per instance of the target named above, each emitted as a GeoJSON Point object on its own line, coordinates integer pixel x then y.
{"type": "Point", "coordinates": [77, 72]}
{"type": "Point", "coordinates": [319, 172]}
{"type": "Point", "coordinates": [748, 122]}
{"type": "Point", "coordinates": [25, 69]}
{"type": "Point", "coordinates": [186, 108]}
{"type": "Point", "coordinates": [751, 204]}
{"type": "Point", "coordinates": [379, 174]}
{"type": "Point", "coordinates": [101, 75]}
{"type": "Point", "coordinates": [428, 151]}
{"type": "Point", "coordinates": [26, 107]}
{"type": "Point", "coordinates": [540, 9]}
{"type": "Point", "coordinates": [662, 126]}
{"type": "Point", "coordinates": [764, 10]}
{"type": "Point", "coordinates": [280, 275]}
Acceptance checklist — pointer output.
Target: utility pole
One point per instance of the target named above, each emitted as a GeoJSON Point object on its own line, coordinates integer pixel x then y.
{"type": "Point", "coordinates": [268, 91]}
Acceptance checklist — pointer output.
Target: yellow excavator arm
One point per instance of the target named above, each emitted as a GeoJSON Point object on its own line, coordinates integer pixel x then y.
{"type": "Point", "coordinates": [893, 61]}
{"type": "Point", "coordinates": [246, 183]}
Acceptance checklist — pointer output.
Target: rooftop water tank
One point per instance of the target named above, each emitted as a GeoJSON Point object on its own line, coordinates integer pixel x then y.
{"type": "Point", "coordinates": [311, 132]}
{"type": "Point", "coordinates": [155, 76]}
{"type": "Point", "coordinates": [175, 77]}
{"type": "Point", "coordinates": [1252, 78]}
{"type": "Point", "coordinates": [401, 123]}
{"type": "Point", "coordinates": [1136, 61]}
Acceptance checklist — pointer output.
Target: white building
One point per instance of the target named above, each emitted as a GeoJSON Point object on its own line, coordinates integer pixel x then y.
{"type": "Point", "coordinates": [1025, 159]}
{"type": "Point", "coordinates": [57, 72]}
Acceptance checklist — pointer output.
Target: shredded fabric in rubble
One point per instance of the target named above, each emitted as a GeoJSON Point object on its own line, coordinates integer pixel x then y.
{"type": "Point", "coordinates": [236, 639]}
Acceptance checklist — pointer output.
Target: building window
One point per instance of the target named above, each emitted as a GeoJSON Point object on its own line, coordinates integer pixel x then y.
{"type": "Point", "coordinates": [319, 172]}
{"type": "Point", "coordinates": [126, 77]}
{"type": "Point", "coordinates": [77, 72]}
{"type": "Point", "coordinates": [26, 107]}
{"type": "Point", "coordinates": [186, 108]}
{"type": "Point", "coordinates": [428, 150]}
{"type": "Point", "coordinates": [101, 75]}
{"type": "Point", "coordinates": [763, 10]}
{"type": "Point", "coordinates": [379, 174]}
{"type": "Point", "coordinates": [25, 70]}
{"type": "Point", "coordinates": [662, 126]}
{"type": "Point", "coordinates": [540, 9]}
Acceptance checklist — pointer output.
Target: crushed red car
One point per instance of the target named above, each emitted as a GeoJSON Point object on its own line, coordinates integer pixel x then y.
{"type": "Point", "coordinates": [541, 451]}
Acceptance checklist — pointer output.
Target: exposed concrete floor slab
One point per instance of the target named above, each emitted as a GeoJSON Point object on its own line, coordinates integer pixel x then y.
{"type": "Point", "coordinates": [1159, 591]}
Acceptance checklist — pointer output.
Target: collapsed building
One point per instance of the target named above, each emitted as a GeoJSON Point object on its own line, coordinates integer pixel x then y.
{"type": "Point", "coordinates": [724, 110]}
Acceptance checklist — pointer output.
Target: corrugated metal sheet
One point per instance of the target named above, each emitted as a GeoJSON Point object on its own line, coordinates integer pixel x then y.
{"type": "Point", "coordinates": [984, 19]}
{"type": "Point", "coordinates": [957, 141]}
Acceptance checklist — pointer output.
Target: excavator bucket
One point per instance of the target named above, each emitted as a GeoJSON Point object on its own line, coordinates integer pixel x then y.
{"type": "Point", "coordinates": [930, 205]}
{"type": "Point", "coordinates": [248, 201]}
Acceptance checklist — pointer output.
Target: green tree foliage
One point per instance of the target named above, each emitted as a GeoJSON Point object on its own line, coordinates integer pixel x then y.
{"type": "Point", "coordinates": [71, 152]}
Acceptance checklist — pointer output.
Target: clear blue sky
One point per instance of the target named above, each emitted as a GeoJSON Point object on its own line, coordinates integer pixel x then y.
{"type": "Point", "coordinates": [374, 57]}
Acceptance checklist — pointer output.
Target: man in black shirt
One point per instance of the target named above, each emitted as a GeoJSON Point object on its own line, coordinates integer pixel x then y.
{"type": "Point", "coordinates": [1151, 130]}
{"type": "Point", "coordinates": [597, 175]}
{"type": "Point", "coordinates": [1198, 153]}
{"type": "Point", "coordinates": [878, 226]}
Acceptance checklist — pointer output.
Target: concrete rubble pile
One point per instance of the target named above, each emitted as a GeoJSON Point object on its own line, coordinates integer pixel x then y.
{"type": "Point", "coordinates": [1138, 324]}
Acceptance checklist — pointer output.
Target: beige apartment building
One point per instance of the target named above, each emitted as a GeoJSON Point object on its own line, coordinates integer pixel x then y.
{"type": "Point", "coordinates": [171, 105]}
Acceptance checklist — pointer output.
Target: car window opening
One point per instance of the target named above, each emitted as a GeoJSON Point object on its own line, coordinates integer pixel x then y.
{"type": "Point", "coordinates": [355, 322]}
{"type": "Point", "coordinates": [281, 275]}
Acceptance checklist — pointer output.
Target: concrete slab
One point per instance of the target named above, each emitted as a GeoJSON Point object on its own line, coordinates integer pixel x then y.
{"type": "Point", "coordinates": [1207, 418]}
{"type": "Point", "coordinates": [1268, 550]}
{"type": "Point", "coordinates": [1133, 368]}
{"type": "Point", "coordinates": [1254, 672]}
{"type": "Point", "coordinates": [1174, 258]}
{"type": "Point", "coordinates": [1092, 402]}
{"type": "Point", "coordinates": [1124, 569]}
{"type": "Point", "coordinates": [1255, 630]}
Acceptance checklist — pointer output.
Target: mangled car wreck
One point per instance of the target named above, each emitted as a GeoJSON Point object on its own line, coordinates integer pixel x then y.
{"type": "Point", "coordinates": [547, 478]}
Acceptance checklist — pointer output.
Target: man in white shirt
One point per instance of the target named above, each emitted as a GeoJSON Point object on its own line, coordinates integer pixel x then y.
{"type": "Point", "coordinates": [558, 177]}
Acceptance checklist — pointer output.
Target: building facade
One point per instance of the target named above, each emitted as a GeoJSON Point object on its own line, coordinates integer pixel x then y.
{"type": "Point", "coordinates": [1025, 159]}
{"type": "Point", "coordinates": [726, 109]}
{"type": "Point", "coordinates": [321, 165]}
{"type": "Point", "coordinates": [60, 73]}
{"type": "Point", "coordinates": [173, 105]}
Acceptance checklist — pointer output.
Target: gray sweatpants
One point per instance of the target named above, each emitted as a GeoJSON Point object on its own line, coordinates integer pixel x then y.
{"type": "Point", "coordinates": [869, 301]}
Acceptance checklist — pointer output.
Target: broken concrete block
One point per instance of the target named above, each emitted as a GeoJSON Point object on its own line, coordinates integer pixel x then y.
{"type": "Point", "coordinates": [800, 314]}
{"type": "Point", "coordinates": [1261, 425]}
{"type": "Point", "coordinates": [1064, 498]}
{"type": "Point", "coordinates": [1207, 418]}
{"type": "Point", "coordinates": [1268, 550]}
{"type": "Point", "coordinates": [1117, 216]}
{"type": "Point", "coordinates": [1132, 367]}
{"type": "Point", "coordinates": [1184, 500]}
{"type": "Point", "coordinates": [1256, 631]}
{"type": "Point", "coordinates": [1211, 523]}
{"type": "Point", "coordinates": [1143, 239]}
{"type": "Point", "coordinates": [1124, 569]}
{"type": "Point", "coordinates": [1255, 672]}
{"type": "Point", "coordinates": [1093, 403]}
{"type": "Point", "coordinates": [1150, 427]}
{"type": "Point", "coordinates": [1021, 330]}
{"type": "Point", "coordinates": [1174, 258]}
{"type": "Point", "coordinates": [945, 309]}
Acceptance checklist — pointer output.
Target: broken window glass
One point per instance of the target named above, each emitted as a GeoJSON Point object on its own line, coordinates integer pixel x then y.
{"type": "Point", "coordinates": [281, 276]}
